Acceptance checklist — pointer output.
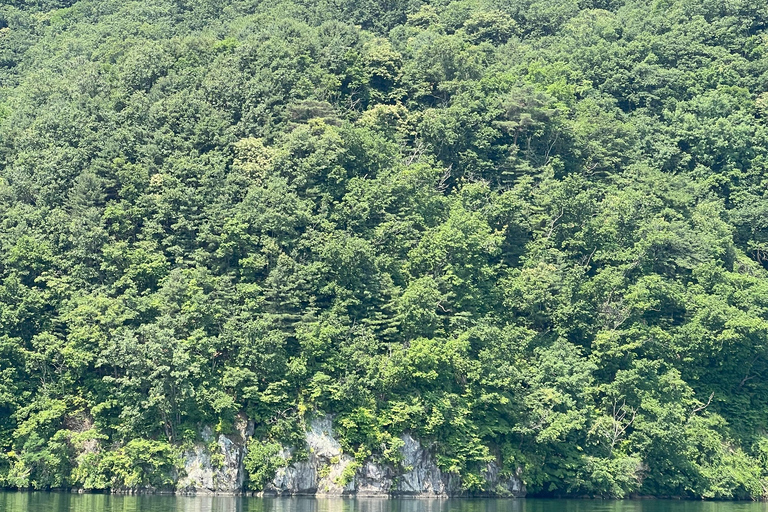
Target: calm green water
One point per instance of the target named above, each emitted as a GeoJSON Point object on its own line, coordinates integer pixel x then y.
{"type": "Point", "coordinates": [60, 502]}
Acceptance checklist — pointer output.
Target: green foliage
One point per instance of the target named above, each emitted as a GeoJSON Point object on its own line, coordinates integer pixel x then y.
{"type": "Point", "coordinates": [140, 463]}
{"type": "Point", "coordinates": [528, 232]}
{"type": "Point", "coordinates": [348, 473]}
{"type": "Point", "coordinates": [261, 461]}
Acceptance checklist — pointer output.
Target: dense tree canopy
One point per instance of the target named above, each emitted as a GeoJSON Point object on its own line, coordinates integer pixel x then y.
{"type": "Point", "coordinates": [534, 231]}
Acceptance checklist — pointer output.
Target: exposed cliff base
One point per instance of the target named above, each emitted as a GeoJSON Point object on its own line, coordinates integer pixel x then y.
{"type": "Point", "coordinates": [215, 466]}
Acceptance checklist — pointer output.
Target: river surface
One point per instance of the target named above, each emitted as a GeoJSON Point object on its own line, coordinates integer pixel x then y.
{"type": "Point", "coordinates": [61, 502]}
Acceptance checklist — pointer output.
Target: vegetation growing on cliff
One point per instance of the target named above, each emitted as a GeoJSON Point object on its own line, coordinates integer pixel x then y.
{"type": "Point", "coordinates": [534, 231]}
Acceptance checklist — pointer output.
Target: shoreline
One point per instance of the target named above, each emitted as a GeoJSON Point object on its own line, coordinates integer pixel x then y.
{"type": "Point", "coordinates": [322, 496]}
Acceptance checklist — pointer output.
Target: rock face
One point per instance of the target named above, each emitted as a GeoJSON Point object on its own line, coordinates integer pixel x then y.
{"type": "Point", "coordinates": [323, 472]}
{"type": "Point", "coordinates": [328, 471]}
{"type": "Point", "coordinates": [374, 480]}
{"type": "Point", "coordinates": [215, 466]}
{"type": "Point", "coordinates": [425, 478]}
{"type": "Point", "coordinates": [503, 487]}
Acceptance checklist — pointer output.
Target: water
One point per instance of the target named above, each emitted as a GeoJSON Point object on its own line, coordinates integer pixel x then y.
{"type": "Point", "coordinates": [61, 502]}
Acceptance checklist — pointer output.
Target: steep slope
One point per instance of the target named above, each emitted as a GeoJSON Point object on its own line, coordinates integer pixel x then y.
{"type": "Point", "coordinates": [530, 234]}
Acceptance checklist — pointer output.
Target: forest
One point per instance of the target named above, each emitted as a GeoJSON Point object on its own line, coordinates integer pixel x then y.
{"type": "Point", "coordinates": [527, 231]}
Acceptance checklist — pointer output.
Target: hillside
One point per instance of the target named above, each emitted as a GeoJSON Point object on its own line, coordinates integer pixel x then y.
{"type": "Point", "coordinates": [532, 233]}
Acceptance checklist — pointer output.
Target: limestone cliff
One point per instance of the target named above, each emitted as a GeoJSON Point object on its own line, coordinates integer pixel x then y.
{"type": "Point", "coordinates": [326, 472]}
{"type": "Point", "coordinates": [216, 467]}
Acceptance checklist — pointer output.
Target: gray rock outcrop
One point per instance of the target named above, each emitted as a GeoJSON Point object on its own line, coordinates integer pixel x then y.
{"type": "Point", "coordinates": [424, 478]}
{"type": "Point", "coordinates": [323, 472]}
{"type": "Point", "coordinates": [215, 466]}
{"type": "Point", "coordinates": [328, 471]}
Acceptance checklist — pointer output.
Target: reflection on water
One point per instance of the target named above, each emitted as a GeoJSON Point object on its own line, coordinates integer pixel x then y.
{"type": "Point", "coordinates": [62, 502]}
